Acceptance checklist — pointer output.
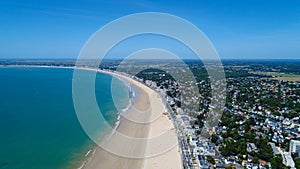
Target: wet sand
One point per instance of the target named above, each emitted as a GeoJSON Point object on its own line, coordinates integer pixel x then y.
{"type": "Point", "coordinates": [130, 146]}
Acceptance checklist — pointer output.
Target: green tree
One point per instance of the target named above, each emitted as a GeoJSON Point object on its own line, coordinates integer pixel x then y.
{"type": "Point", "coordinates": [214, 138]}
{"type": "Point", "coordinates": [276, 162]}
{"type": "Point", "coordinates": [210, 160]}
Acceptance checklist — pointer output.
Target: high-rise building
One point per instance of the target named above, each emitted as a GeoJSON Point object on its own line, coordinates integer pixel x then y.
{"type": "Point", "coordinates": [295, 146]}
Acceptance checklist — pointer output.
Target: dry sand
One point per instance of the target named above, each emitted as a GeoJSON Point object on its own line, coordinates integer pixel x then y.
{"type": "Point", "coordinates": [119, 152]}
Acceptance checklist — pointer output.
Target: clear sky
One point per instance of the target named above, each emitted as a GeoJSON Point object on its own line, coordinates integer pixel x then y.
{"type": "Point", "coordinates": [238, 28]}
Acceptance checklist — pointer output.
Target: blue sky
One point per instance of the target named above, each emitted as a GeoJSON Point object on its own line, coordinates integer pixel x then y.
{"type": "Point", "coordinates": [238, 29]}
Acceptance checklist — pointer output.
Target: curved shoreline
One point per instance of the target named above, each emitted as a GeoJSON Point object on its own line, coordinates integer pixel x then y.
{"type": "Point", "coordinates": [90, 153]}
{"type": "Point", "coordinates": [170, 159]}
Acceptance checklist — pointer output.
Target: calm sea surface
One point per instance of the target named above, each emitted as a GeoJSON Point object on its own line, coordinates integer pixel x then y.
{"type": "Point", "coordinates": [39, 128]}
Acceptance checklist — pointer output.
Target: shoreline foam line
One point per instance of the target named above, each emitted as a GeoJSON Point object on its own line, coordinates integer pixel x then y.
{"type": "Point", "coordinates": [100, 159]}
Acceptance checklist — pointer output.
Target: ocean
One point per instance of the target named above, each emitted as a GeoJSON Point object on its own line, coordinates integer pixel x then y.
{"type": "Point", "coordinates": [39, 128]}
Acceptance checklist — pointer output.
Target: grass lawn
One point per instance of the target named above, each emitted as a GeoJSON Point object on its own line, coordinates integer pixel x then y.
{"type": "Point", "coordinates": [280, 76]}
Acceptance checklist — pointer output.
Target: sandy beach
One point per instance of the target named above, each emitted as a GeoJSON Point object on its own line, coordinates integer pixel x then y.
{"type": "Point", "coordinates": [153, 141]}
{"type": "Point", "coordinates": [146, 120]}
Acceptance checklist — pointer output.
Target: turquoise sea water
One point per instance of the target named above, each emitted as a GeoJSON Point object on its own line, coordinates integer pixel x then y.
{"type": "Point", "coordinates": [38, 124]}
